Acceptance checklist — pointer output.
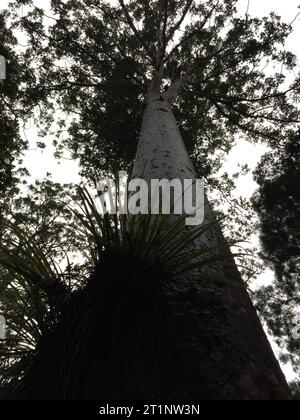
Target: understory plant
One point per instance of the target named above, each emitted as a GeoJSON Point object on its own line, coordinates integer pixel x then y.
{"type": "Point", "coordinates": [102, 335]}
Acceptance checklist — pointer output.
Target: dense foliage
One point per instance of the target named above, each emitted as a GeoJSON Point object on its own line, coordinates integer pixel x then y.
{"type": "Point", "coordinates": [11, 143]}
{"type": "Point", "coordinates": [278, 206]}
{"type": "Point", "coordinates": [90, 63]}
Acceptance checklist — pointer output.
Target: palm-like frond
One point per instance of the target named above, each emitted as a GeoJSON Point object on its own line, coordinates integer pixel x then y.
{"type": "Point", "coordinates": [152, 251]}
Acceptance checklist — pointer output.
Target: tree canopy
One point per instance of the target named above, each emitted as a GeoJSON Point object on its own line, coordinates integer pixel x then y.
{"type": "Point", "coordinates": [94, 61]}
{"type": "Point", "coordinates": [91, 64]}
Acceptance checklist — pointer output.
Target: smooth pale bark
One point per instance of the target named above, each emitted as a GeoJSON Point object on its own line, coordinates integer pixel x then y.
{"type": "Point", "coordinates": [221, 349]}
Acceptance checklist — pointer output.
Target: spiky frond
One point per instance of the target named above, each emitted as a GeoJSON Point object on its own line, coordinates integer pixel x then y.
{"type": "Point", "coordinates": [135, 259]}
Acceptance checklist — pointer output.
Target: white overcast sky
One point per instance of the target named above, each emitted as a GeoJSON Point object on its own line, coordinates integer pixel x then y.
{"type": "Point", "coordinates": [40, 162]}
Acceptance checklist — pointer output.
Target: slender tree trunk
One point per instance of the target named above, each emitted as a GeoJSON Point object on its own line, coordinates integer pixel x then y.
{"type": "Point", "coordinates": [219, 351]}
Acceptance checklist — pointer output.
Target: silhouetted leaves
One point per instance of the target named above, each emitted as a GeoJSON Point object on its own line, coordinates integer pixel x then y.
{"type": "Point", "coordinates": [278, 206]}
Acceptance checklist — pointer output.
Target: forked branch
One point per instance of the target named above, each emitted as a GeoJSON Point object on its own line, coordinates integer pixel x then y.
{"type": "Point", "coordinates": [136, 31]}
{"type": "Point", "coordinates": [178, 24]}
{"type": "Point", "coordinates": [186, 37]}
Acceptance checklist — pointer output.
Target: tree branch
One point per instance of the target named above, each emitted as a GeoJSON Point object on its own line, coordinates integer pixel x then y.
{"type": "Point", "coordinates": [255, 116]}
{"type": "Point", "coordinates": [195, 32]}
{"type": "Point", "coordinates": [165, 21]}
{"type": "Point", "coordinates": [136, 31]}
{"type": "Point", "coordinates": [177, 85]}
{"type": "Point", "coordinates": [243, 127]}
{"type": "Point", "coordinates": [68, 85]}
{"type": "Point", "coordinates": [155, 85]}
{"type": "Point", "coordinates": [162, 42]}
{"type": "Point", "coordinates": [178, 24]}
{"type": "Point", "coordinates": [237, 99]}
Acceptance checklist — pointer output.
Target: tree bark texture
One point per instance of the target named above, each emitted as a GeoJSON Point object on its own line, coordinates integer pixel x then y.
{"type": "Point", "coordinates": [218, 350]}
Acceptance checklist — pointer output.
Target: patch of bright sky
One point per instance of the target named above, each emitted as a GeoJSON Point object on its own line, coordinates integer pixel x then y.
{"type": "Point", "coordinates": [41, 162]}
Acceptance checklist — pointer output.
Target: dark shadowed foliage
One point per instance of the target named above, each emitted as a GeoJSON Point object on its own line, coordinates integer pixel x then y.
{"type": "Point", "coordinates": [278, 206]}
{"type": "Point", "coordinates": [11, 111]}
{"type": "Point", "coordinates": [114, 333]}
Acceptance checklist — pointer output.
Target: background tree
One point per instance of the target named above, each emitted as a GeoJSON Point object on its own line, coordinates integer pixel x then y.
{"type": "Point", "coordinates": [295, 387]}
{"type": "Point", "coordinates": [11, 143]}
{"type": "Point", "coordinates": [278, 204]}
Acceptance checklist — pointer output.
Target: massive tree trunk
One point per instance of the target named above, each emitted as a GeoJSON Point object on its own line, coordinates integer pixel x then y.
{"type": "Point", "coordinates": [219, 350]}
